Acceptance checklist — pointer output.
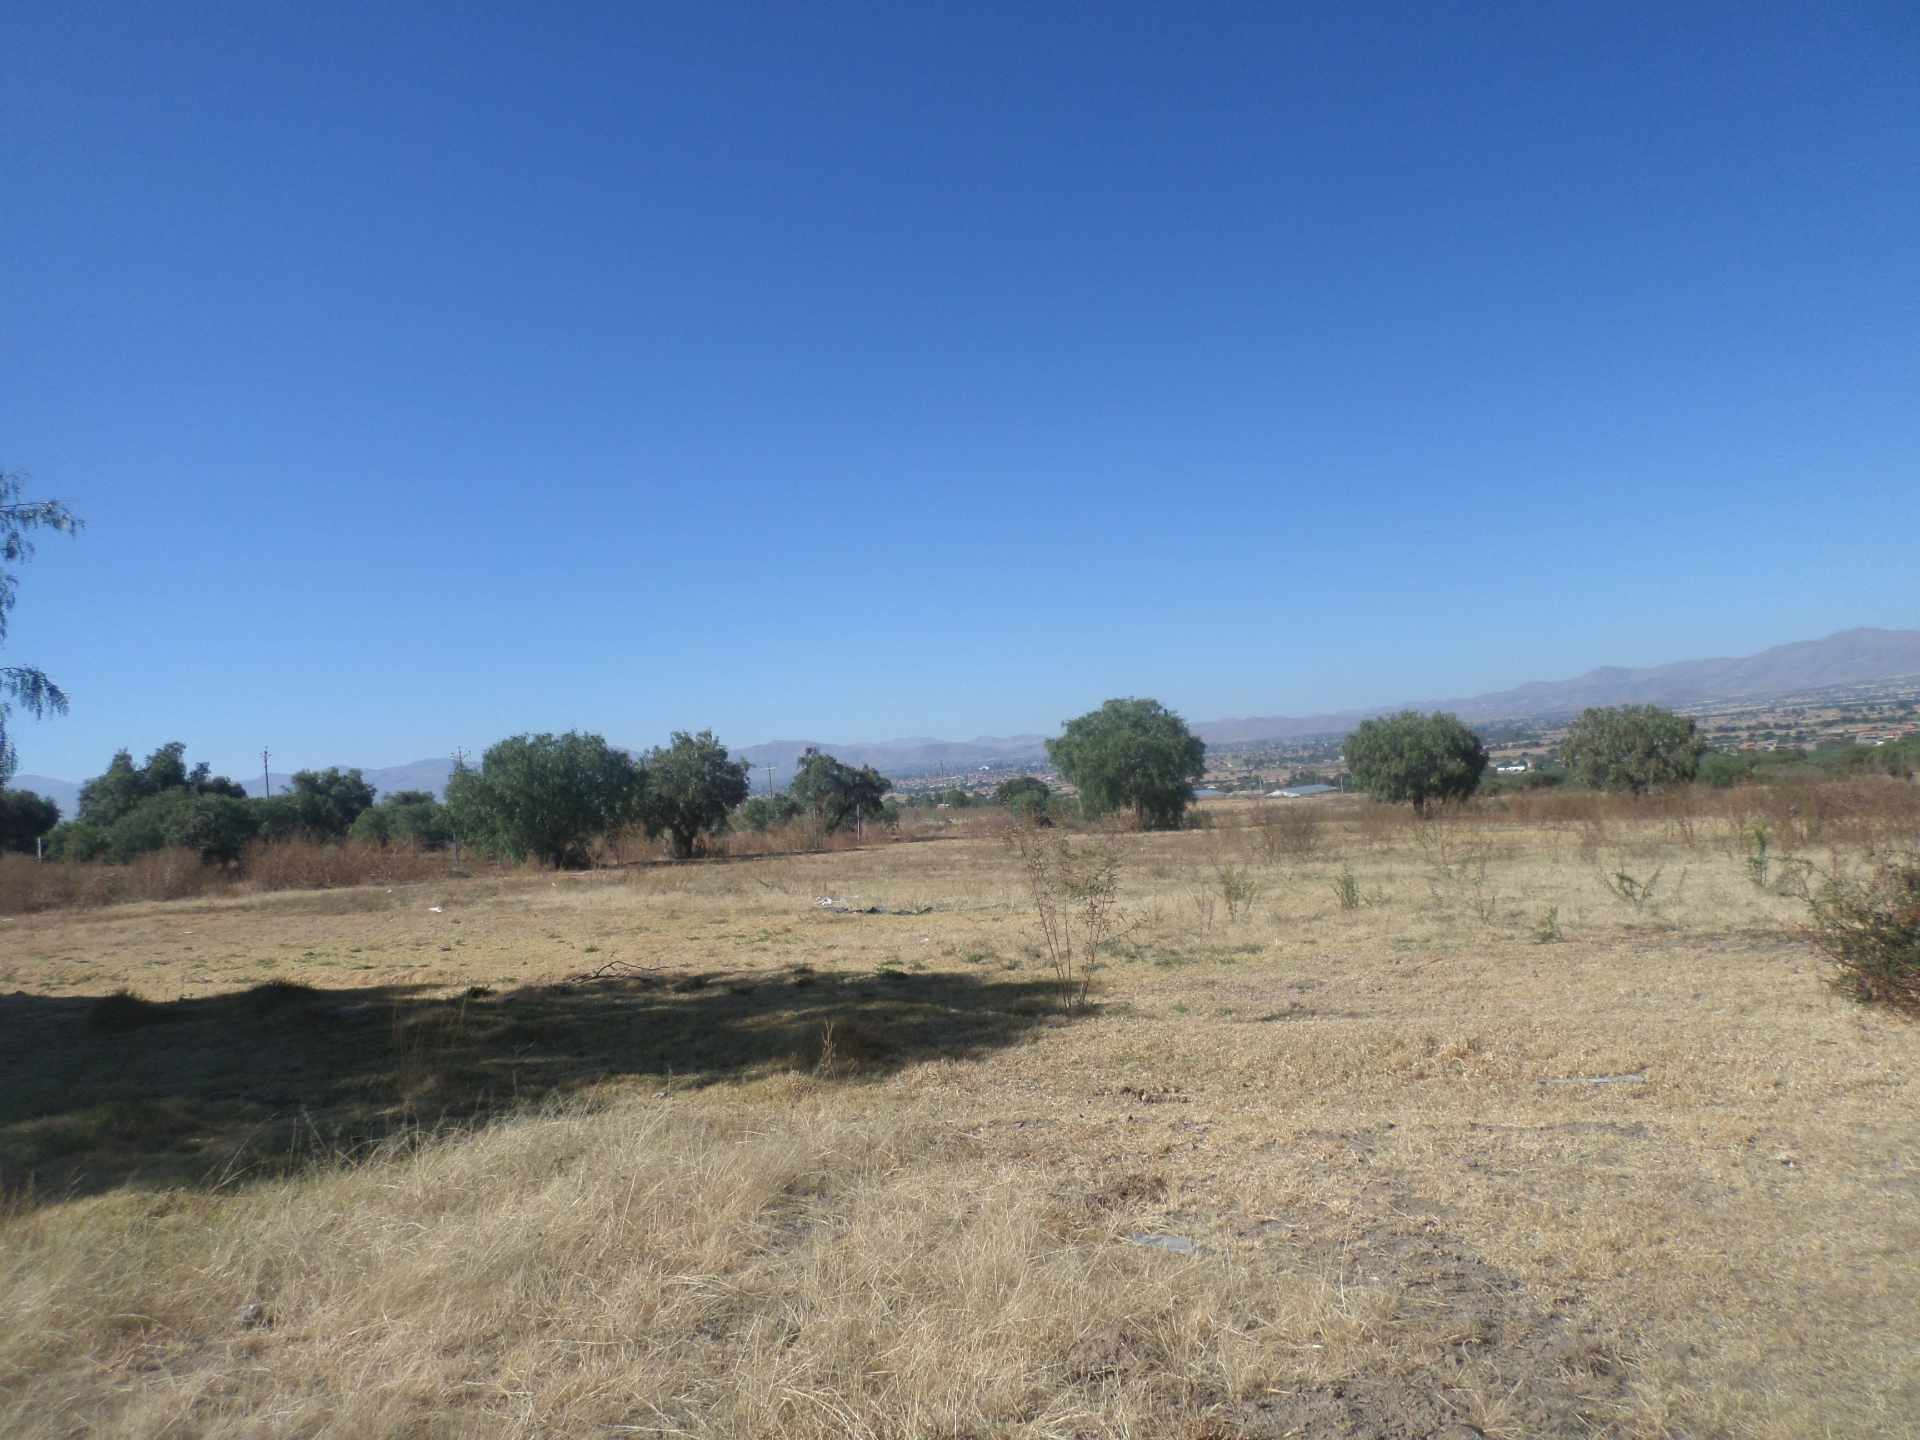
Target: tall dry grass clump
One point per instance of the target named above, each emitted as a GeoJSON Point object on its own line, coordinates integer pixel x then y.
{"type": "Point", "coordinates": [28, 886]}
{"type": "Point", "coordinates": [303, 865]}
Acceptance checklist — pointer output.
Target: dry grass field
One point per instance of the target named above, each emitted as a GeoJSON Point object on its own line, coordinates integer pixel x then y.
{"type": "Point", "coordinates": [1491, 1144]}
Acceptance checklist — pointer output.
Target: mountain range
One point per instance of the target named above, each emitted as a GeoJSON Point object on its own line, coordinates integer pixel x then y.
{"type": "Point", "coordinates": [1850, 657]}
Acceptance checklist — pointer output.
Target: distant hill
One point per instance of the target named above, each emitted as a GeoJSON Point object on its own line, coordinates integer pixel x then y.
{"type": "Point", "coordinates": [1851, 657]}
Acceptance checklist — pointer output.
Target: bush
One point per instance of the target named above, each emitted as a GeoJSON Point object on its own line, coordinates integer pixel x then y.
{"type": "Point", "coordinates": [1870, 931]}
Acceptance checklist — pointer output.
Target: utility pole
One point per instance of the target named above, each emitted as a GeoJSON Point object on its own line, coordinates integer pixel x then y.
{"type": "Point", "coordinates": [266, 775]}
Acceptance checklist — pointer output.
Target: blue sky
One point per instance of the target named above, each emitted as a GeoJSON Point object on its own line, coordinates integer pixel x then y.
{"type": "Point", "coordinates": [429, 374]}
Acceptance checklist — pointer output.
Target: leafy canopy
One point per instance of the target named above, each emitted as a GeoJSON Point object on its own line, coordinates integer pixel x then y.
{"type": "Point", "coordinates": [24, 818]}
{"type": "Point", "coordinates": [23, 684]}
{"type": "Point", "coordinates": [692, 785]}
{"type": "Point", "coordinates": [327, 802]}
{"type": "Point", "coordinates": [545, 796]}
{"type": "Point", "coordinates": [1632, 747]}
{"type": "Point", "coordinates": [1132, 754]}
{"type": "Point", "coordinates": [1024, 795]}
{"type": "Point", "coordinates": [836, 794]}
{"type": "Point", "coordinates": [1413, 758]}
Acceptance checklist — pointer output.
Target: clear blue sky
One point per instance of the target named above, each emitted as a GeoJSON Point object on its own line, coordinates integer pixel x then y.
{"type": "Point", "coordinates": [430, 374]}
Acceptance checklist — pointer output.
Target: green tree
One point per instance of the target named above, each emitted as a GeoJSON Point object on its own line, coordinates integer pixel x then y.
{"type": "Point", "coordinates": [1133, 754]}
{"type": "Point", "coordinates": [107, 797]}
{"type": "Point", "coordinates": [23, 684]}
{"type": "Point", "coordinates": [406, 817]}
{"type": "Point", "coordinates": [763, 812]}
{"type": "Point", "coordinates": [1411, 758]}
{"type": "Point", "coordinates": [1025, 795]}
{"type": "Point", "coordinates": [24, 818]}
{"type": "Point", "coordinates": [545, 796]}
{"type": "Point", "coordinates": [835, 794]}
{"type": "Point", "coordinates": [77, 840]}
{"type": "Point", "coordinates": [329, 801]}
{"type": "Point", "coordinates": [1632, 747]}
{"type": "Point", "coordinates": [692, 786]}
{"type": "Point", "coordinates": [216, 826]}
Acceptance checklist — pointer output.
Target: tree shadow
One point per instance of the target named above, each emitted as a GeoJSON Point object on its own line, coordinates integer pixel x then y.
{"type": "Point", "coordinates": [106, 1090]}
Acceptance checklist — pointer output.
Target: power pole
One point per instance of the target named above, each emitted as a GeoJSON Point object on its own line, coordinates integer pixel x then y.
{"type": "Point", "coordinates": [266, 775]}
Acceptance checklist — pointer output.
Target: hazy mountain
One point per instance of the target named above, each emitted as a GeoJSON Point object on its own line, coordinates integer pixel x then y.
{"type": "Point", "coordinates": [1851, 657]}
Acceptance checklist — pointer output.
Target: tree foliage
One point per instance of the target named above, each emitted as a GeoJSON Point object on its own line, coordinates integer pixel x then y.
{"type": "Point", "coordinates": [1632, 747]}
{"type": "Point", "coordinates": [836, 794]}
{"type": "Point", "coordinates": [24, 818]}
{"type": "Point", "coordinates": [692, 785]}
{"type": "Point", "coordinates": [545, 796]}
{"type": "Point", "coordinates": [410, 818]}
{"type": "Point", "coordinates": [327, 802]}
{"type": "Point", "coordinates": [24, 685]}
{"type": "Point", "coordinates": [1025, 795]}
{"type": "Point", "coordinates": [1414, 758]}
{"type": "Point", "coordinates": [763, 812]}
{"type": "Point", "coordinates": [1132, 754]}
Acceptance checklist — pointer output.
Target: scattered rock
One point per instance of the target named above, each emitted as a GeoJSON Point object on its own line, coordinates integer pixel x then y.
{"type": "Point", "coordinates": [253, 1316]}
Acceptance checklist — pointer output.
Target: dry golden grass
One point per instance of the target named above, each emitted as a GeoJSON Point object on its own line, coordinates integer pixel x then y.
{"type": "Point", "coordinates": [635, 1189]}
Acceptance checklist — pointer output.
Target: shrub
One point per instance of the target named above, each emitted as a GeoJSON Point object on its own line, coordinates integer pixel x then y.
{"type": "Point", "coordinates": [1870, 931]}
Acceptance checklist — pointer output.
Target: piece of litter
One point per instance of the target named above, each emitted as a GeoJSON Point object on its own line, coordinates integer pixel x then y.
{"type": "Point", "coordinates": [1637, 1078]}
{"type": "Point", "coordinates": [1176, 1244]}
{"type": "Point", "coordinates": [436, 909]}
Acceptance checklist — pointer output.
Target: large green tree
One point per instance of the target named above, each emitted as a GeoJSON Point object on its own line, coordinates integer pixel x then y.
{"type": "Point", "coordinates": [692, 785]}
{"type": "Point", "coordinates": [1132, 754]}
{"type": "Point", "coordinates": [328, 801]}
{"type": "Point", "coordinates": [837, 794]}
{"type": "Point", "coordinates": [545, 796]}
{"type": "Point", "coordinates": [24, 818]}
{"type": "Point", "coordinates": [1416, 759]}
{"type": "Point", "coordinates": [23, 685]}
{"type": "Point", "coordinates": [1632, 747]}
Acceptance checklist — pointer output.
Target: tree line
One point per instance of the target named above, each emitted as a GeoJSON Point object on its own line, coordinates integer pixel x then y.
{"type": "Point", "coordinates": [548, 797]}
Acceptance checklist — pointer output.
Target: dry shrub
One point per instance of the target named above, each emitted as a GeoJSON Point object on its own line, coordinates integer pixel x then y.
{"type": "Point", "coordinates": [1288, 830]}
{"type": "Point", "coordinates": [1870, 930]}
{"type": "Point", "coordinates": [302, 865]}
{"type": "Point", "coordinates": [1868, 811]}
{"type": "Point", "coordinates": [28, 885]}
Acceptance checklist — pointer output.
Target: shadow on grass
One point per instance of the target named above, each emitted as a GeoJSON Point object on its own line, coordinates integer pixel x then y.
{"type": "Point", "coordinates": [101, 1091]}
